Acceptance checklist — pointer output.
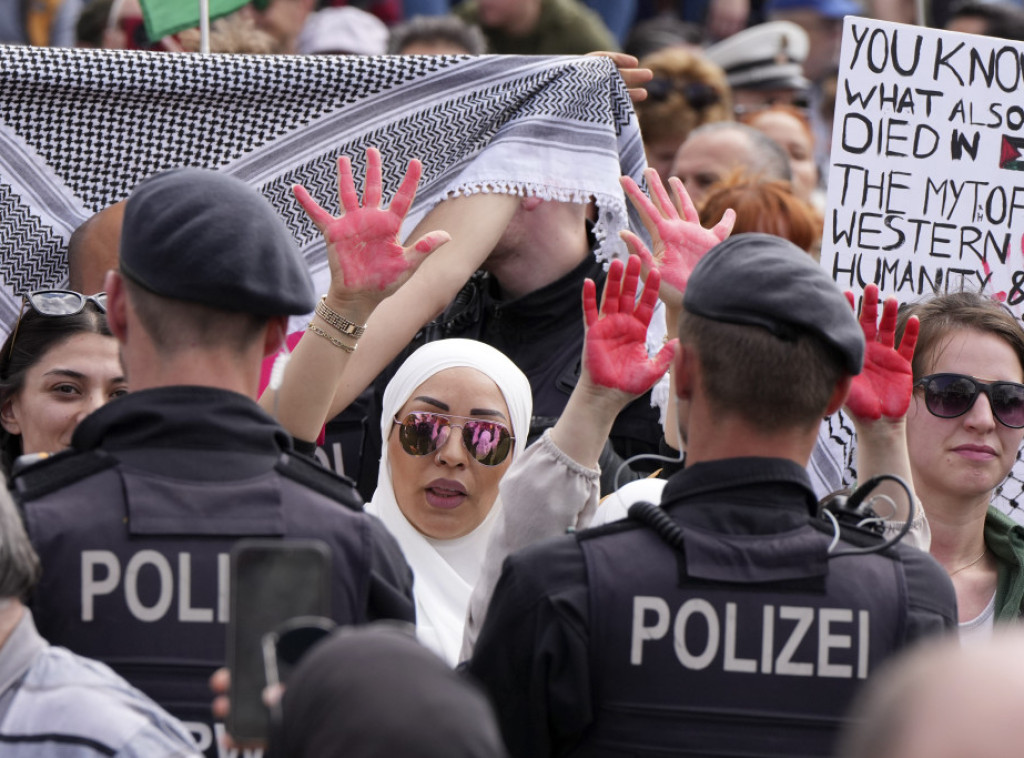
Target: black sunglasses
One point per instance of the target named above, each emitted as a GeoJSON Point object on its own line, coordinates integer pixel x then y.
{"type": "Point", "coordinates": [423, 432]}
{"type": "Point", "coordinates": [56, 303]}
{"type": "Point", "coordinates": [63, 302]}
{"type": "Point", "coordinates": [698, 94]}
{"type": "Point", "coordinates": [952, 395]}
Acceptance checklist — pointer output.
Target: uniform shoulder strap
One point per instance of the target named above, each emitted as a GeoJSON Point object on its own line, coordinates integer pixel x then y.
{"type": "Point", "coordinates": [311, 474]}
{"type": "Point", "coordinates": [36, 477]}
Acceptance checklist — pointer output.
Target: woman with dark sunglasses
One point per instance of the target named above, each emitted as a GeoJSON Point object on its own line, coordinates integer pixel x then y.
{"type": "Point", "coordinates": [964, 429]}
{"type": "Point", "coordinates": [58, 365]}
{"type": "Point", "coordinates": [455, 416]}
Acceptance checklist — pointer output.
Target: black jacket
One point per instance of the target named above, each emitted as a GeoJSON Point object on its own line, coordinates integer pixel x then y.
{"type": "Point", "coordinates": [580, 650]}
{"type": "Point", "coordinates": [134, 525]}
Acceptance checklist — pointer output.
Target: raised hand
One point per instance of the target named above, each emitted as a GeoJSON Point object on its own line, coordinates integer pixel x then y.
{"type": "Point", "coordinates": [678, 238]}
{"type": "Point", "coordinates": [885, 386]}
{"type": "Point", "coordinates": [363, 249]}
{"type": "Point", "coordinates": [615, 352]}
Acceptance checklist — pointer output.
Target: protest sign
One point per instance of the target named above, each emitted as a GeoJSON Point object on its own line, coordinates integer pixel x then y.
{"type": "Point", "coordinates": [926, 187]}
{"type": "Point", "coordinates": [926, 184]}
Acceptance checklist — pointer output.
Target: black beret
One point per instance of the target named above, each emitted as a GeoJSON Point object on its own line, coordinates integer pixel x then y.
{"type": "Point", "coordinates": [767, 281]}
{"type": "Point", "coordinates": [205, 237]}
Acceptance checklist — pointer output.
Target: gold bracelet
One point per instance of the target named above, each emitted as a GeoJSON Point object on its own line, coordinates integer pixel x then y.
{"type": "Point", "coordinates": [338, 321]}
{"type": "Point", "coordinates": [336, 342]}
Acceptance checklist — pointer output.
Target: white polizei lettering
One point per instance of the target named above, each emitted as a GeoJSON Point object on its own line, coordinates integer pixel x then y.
{"type": "Point", "coordinates": [784, 664]}
{"type": "Point", "coordinates": [93, 587]}
{"type": "Point", "coordinates": [131, 585]}
{"type": "Point", "coordinates": [223, 587]}
{"type": "Point", "coordinates": [828, 641]}
{"type": "Point", "coordinates": [642, 632]}
{"type": "Point", "coordinates": [201, 733]}
{"type": "Point", "coordinates": [185, 610]}
{"type": "Point", "coordinates": [822, 641]}
{"type": "Point", "coordinates": [767, 639]}
{"type": "Point", "coordinates": [863, 652]}
{"type": "Point", "coordinates": [223, 752]}
{"type": "Point", "coordinates": [732, 663]}
{"type": "Point", "coordinates": [705, 609]}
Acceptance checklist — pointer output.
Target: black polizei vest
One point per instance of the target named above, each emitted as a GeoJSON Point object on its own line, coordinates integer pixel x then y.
{"type": "Point", "coordinates": [732, 645]}
{"type": "Point", "coordinates": [139, 580]}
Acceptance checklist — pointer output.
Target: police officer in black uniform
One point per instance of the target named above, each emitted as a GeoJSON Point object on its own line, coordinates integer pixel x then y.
{"type": "Point", "coordinates": [720, 624]}
{"type": "Point", "coordinates": [135, 523]}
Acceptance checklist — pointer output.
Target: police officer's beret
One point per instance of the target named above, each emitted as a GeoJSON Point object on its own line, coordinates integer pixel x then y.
{"type": "Point", "coordinates": [205, 237]}
{"type": "Point", "coordinates": [767, 281]}
{"type": "Point", "coordinates": [766, 56]}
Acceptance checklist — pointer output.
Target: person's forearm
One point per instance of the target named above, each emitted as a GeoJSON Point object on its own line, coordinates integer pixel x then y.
{"type": "Point", "coordinates": [475, 224]}
{"type": "Point", "coordinates": [882, 449]}
{"type": "Point", "coordinates": [302, 402]}
{"type": "Point", "coordinates": [586, 422]}
{"type": "Point", "coordinates": [671, 426]}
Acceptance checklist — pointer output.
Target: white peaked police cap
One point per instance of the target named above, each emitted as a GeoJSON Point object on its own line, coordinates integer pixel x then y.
{"type": "Point", "coordinates": [766, 56]}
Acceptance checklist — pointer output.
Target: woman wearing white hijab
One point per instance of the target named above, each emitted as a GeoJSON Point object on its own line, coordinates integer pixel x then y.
{"type": "Point", "coordinates": [437, 492]}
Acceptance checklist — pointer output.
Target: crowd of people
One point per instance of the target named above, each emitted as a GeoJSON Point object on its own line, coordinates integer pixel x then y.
{"type": "Point", "coordinates": [535, 552]}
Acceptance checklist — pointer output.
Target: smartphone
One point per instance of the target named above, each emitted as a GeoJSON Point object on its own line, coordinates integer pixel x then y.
{"type": "Point", "coordinates": [272, 581]}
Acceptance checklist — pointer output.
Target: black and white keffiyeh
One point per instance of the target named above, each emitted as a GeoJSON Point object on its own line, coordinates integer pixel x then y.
{"type": "Point", "coordinates": [80, 128]}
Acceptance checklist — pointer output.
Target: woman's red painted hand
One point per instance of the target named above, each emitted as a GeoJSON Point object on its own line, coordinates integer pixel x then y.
{"type": "Point", "coordinates": [678, 238]}
{"type": "Point", "coordinates": [363, 249]}
{"type": "Point", "coordinates": [885, 385]}
{"type": "Point", "coordinates": [615, 352]}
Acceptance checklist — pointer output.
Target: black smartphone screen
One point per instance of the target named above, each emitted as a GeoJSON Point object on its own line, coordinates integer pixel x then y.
{"type": "Point", "coordinates": [272, 581]}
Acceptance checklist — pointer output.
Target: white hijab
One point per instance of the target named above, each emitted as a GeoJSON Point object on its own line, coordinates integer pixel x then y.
{"type": "Point", "coordinates": [446, 570]}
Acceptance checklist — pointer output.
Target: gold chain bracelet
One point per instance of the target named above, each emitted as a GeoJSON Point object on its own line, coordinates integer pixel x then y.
{"type": "Point", "coordinates": [336, 342]}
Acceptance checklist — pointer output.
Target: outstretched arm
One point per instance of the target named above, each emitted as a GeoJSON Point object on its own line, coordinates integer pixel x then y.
{"type": "Point", "coordinates": [367, 264]}
{"type": "Point", "coordinates": [555, 482]}
{"type": "Point", "coordinates": [880, 396]}
{"type": "Point", "coordinates": [376, 281]}
{"type": "Point", "coordinates": [679, 243]}
{"type": "Point", "coordinates": [616, 369]}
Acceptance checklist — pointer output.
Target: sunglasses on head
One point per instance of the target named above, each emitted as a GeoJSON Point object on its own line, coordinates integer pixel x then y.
{"type": "Point", "coordinates": [952, 395]}
{"type": "Point", "coordinates": [423, 432]}
{"type": "Point", "coordinates": [57, 303]}
{"type": "Point", "coordinates": [63, 302]}
{"type": "Point", "coordinates": [698, 94]}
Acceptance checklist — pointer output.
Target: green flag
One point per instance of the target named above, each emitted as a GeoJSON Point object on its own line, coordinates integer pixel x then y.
{"type": "Point", "coordinates": [165, 17]}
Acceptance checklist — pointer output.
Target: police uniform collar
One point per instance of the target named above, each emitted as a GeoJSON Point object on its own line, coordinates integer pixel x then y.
{"type": "Point", "coordinates": [738, 474]}
{"type": "Point", "coordinates": [183, 417]}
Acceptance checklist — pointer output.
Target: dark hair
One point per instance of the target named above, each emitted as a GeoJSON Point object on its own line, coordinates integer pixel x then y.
{"type": "Point", "coordinates": [450, 29]}
{"type": "Point", "coordinates": [771, 383]}
{"type": "Point", "coordinates": [1001, 19]}
{"type": "Point", "coordinates": [177, 325]}
{"type": "Point", "coordinates": [944, 314]}
{"type": "Point", "coordinates": [32, 337]}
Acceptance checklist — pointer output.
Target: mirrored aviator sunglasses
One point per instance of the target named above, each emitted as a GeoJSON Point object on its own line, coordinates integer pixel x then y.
{"type": "Point", "coordinates": [952, 395]}
{"type": "Point", "coordinates": [423, 432]}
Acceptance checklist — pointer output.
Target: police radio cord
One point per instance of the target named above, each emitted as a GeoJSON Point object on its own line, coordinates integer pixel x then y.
{"type": "Point", "coordinates": [856, 510]}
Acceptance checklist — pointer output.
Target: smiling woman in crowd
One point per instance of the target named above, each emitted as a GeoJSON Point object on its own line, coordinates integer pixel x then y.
{"type": "Point", "coordinates": [59, 364]}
